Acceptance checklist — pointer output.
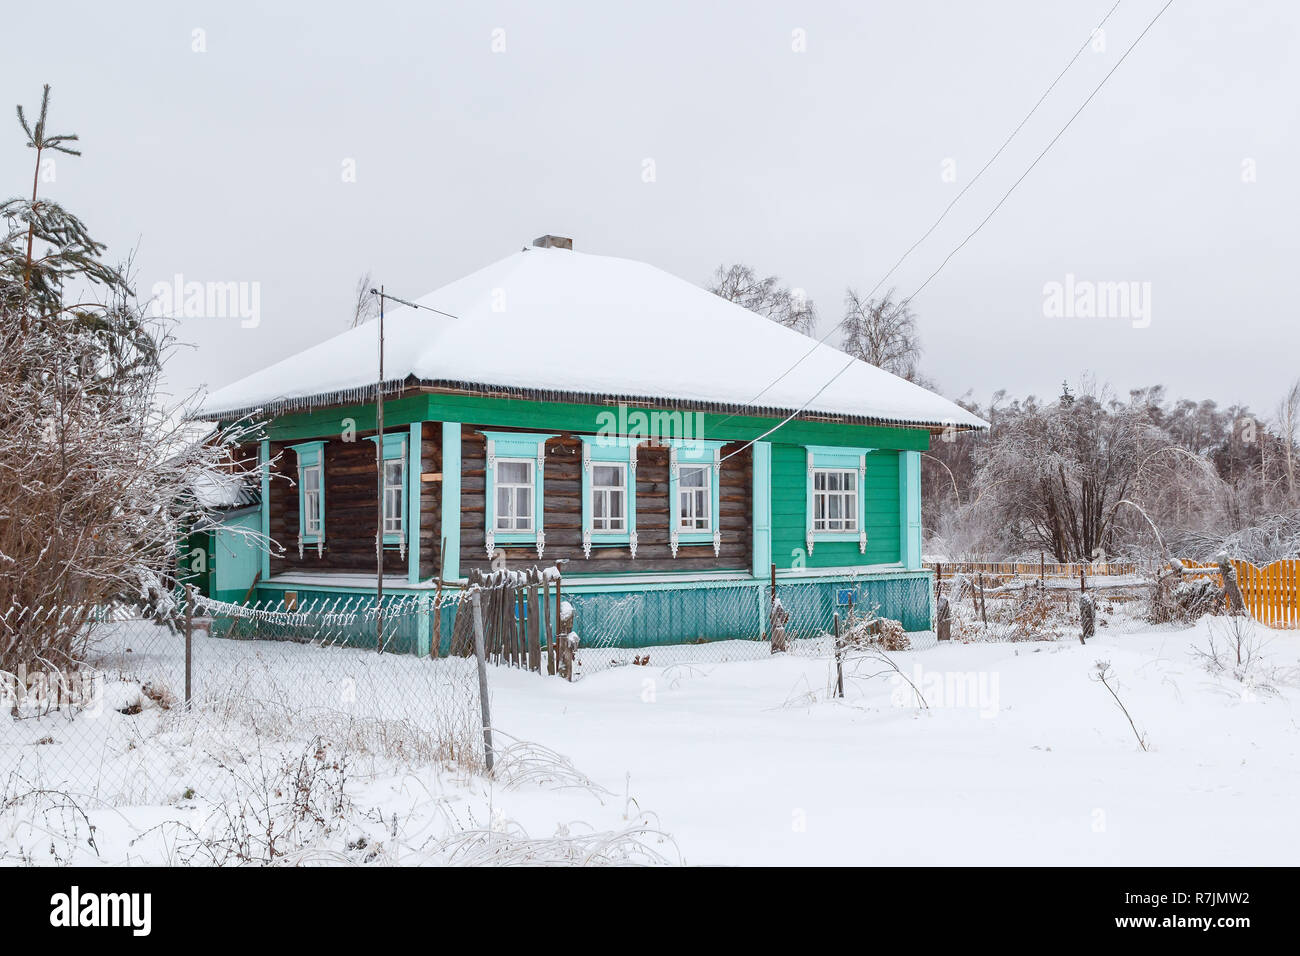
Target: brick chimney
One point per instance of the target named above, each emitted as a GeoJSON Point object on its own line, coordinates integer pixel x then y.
{"type": "Point", "coordinates": [553, 242]}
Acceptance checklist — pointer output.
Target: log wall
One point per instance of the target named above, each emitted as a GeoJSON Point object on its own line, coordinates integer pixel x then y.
{"type": "Point", "coordinates": [562, 514]}
{"type": "Point", "coordinates": [351, 506]}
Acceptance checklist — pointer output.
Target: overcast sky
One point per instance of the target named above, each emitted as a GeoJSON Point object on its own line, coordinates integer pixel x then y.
{"type": "Point", "coordinates": [821, 164]}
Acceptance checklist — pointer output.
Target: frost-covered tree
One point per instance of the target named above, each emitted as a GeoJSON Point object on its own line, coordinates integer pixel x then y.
{"type": "Point", "coordinates": [789, 307]}
{"type": "Point", "coordinates": [97, 472]}
{"type": "Point", "coordinates": [1056, 477]}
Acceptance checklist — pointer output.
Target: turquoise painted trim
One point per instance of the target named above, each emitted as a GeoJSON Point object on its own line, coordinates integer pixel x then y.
{"type": "Point", "coordinates": [395, 447]}
{"type": "Point", "coordinates": [909, 496]}
{"type": "Point", "coordinates": [310, 453]}
{"type": "Point", "coordinates": [579, 417]}
{"type": "Point", "coordinates": [606, 450]}
{"type": "Point", "coordinates": [523, 445]}
{"type": "Point", "coordinates": [762, 499]}
{"type": "Point", "coordinates": [849, 459]}
{"type": "Point", "coordinates": [450, 525]}
{"type": "Point", "coordinates": [264, 509]}
{"type": "Point", "coordinates": [424, 625]}
{"type": "Point", "coordinates": [389, 588]}
{"type": "Point", "coordinates": [575, 583]}
{"type": "Point", "coordinates": [414, 469]}
{"type": "Point", "coordinates": [692, 452]}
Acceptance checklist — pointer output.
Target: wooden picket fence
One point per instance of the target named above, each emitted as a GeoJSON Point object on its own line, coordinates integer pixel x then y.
{"type": "Point", "coordinates": [523, 623]}
{"type": "Point", "coordinates": [1271, 593]}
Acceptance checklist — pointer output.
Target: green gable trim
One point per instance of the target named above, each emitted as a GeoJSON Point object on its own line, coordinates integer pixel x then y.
{"type": "Point", "coordinates": [514, 445]}
{"type": "Point", "coordinates": [574, 417]}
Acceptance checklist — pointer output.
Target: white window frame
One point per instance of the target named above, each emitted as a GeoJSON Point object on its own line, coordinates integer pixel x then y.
{"type": "Point", "coordinates": [514, 447]}
{"type": "Point", "coordinates": [604, 491]}
{"type": "Point", "coordinates": [706, 455]}
{"type": "Point", "coordinates": [311, 500]}
{"type": "Point", "coordinates": [692, 493]}
{"type": "Point", "coordinates": [515, 486]}
{"type": "Point", "coordinates": [399, 528]}
{"type": "Point", "coordinates": [849, 501]}
{"type": "Point", "coordinates": [831, 459]}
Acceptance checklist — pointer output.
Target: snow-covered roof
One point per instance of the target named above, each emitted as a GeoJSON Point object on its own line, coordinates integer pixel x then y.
{"type": "Point", "coordinates": [564, 324]}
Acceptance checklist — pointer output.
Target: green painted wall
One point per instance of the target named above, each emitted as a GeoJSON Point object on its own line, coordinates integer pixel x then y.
{"type": "Point", "coordinates": [790, 512]}
{"type": "Point", "coordinates": [236, 557]}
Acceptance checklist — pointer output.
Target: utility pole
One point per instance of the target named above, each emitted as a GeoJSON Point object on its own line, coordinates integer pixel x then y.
{"type": "Point", "coordinates": [379, 466]}
{"type": "Point", "coordinates": [379, 461]}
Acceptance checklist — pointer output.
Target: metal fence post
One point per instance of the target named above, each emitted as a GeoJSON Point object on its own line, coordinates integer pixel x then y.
{"type": "Point", "coordinates": [839, 666]}
{"type": "Point", "coordinates": [189, 639]}
{"type": "Point", "coordinates": [482, 678]}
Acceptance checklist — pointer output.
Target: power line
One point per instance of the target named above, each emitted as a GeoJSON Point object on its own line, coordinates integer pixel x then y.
{"type": "Point", "coordinates": [934, 225]}
{"type": "Point", "coordinates": [974, 231]}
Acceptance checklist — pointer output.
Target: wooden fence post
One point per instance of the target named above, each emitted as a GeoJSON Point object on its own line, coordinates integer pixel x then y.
{"type": "Point", "coordinates": [482, 679]}
{"type": "Point", "coordinates": [534, 632]}
{"type": "Point", "coordinates": [771, 608]}
{"type": "Point", "coordinates": [547, 628]}
{"type": "Point", "coordinates": [559, 626]}
{"type": "Point", "coordinates": [984, 607]}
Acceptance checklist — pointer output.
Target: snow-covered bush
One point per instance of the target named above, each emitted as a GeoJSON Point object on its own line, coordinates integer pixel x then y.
{"type": "Point", "coordinates": [98, 470]}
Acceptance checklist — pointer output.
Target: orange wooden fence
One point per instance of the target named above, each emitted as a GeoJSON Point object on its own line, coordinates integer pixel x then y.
{"type": "Point", "coordinates": [1271, 593]}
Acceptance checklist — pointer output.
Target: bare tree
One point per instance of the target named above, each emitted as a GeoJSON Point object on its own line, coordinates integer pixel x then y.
{"type": "Point", "coordinates": [1288, 425]}
{"type": "Point", "coordinates": [789, 307]}
{"type": "Point", "coordinates": [882, 332]}
{"type": "Point", "coordinates": [363, 303]}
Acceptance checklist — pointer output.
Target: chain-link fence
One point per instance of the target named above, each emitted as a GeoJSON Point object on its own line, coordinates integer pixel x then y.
{"type": "Point", "coordinates": [147, 707]}
{"type": "Point", "coordinates": [733, 622]}
{"type": "Point", "coordinates": [160, 707]}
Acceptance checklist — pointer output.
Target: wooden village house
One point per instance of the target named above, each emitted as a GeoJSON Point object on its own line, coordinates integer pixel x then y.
{"type": "Point", "coordinates": [560, 404]}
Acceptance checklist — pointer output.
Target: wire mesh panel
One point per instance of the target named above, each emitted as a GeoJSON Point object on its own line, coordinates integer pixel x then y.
{"type": "Point", "coordinates": [119, 713]}
{"type": "Point", "coordinates": [733, 622]}
{"type": "Point", "coordinates": [113, 725]}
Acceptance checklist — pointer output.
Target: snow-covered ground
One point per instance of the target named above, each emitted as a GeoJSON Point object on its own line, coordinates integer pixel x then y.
{"type": "Point", "coordinates": [1021, 757]}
